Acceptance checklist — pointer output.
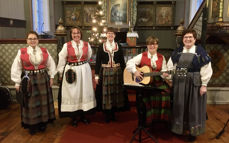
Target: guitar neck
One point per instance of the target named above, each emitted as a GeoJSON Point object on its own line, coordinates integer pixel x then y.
{"type": "Point", "coordinates": [153, 73]}
{"type": "Point", "coordinates": [156, 73]}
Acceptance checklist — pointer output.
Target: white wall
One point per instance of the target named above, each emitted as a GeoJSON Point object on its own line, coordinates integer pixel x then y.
{"type": "Point", "coordinates": [12, 9]}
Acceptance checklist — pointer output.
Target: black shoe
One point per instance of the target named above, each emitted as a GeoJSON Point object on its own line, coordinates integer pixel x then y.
{"type": "Point", "coordinates": [107, 119]}
{"type": "Point", "coordinates": [74, 123]}
{"type": "Point", "coordinates": [85, 121]}
{"type": "Point", "coordinates": [113, 117]}
{"type": "Point", "coordinates": [32, 131]}
{"type": "Point", "coordinates": [191, 138]}
{"type": "Point", "coordinates": [42, 128]}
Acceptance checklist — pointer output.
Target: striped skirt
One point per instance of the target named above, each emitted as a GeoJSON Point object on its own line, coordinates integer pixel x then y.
{"type": "Point", "coordinates": [112, 88]}
{"type": "Point", "coordinates": [158, 103]}
{"type": "Point", "coordinates": [39, 106]}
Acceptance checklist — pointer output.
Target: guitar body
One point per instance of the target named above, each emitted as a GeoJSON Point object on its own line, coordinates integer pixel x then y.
{"type": "Point", "coordinates": [129, 78]}
{"type": "Point", "coordinates": [146, 79]}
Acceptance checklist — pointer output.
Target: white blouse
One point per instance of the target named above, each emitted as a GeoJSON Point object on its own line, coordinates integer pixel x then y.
{"type": "Point", "coordinates": [135, 61]}
{"type": "Point", "coordinates": [35, 58]}
{"type": "Point", "coordinates": [110, 46]}
{"type": "Point", "coordinates": [64, 53]}
{"type": "Point", "coordinates": [205, 71]}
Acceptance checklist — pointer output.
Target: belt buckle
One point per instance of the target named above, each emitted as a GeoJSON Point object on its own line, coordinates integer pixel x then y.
{"type": "Point", "coordinates": [182, 72]}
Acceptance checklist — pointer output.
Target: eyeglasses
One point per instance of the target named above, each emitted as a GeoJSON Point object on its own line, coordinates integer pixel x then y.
{"type": "Point", "coordinates": [190, 37]}
{"type": "Point", "coordinates": [30, 39]}
{"type": "Point", "coordinates": [74, 33]}
{"type": "Point", "coordinates": [111, 33]}
{"type": "Point", "coordinates": [153, 44]}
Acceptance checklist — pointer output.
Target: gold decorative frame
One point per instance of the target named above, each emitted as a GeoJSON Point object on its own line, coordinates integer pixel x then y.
{"type": "Point", "coordinates": [145, 14]}
{"type": "Point", "coordinates": [164, 15]}
{"type": "Point", "coordinates": [89, 10]}
{"type": "Point", "coordinates": [118, 12]}
{"type": "Point", "coordinates": [72, 14]}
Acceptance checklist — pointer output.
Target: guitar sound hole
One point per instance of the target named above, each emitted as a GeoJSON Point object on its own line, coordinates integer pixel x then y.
{"type": "Point", "coordinates": [138, 80]}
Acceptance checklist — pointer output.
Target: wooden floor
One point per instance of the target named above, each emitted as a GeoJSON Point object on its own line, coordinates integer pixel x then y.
{"type": "Point", "coordinates": [12, 132]}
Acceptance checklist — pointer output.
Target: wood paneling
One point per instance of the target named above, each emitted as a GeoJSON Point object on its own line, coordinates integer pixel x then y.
{"type": "Point", "coordinates": [10, 22]}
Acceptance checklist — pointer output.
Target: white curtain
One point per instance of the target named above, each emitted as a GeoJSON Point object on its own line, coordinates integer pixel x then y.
{"type": "Point", "coordinates": [194, 6]}
{"type": "Point", "coordinates": [41, 16]}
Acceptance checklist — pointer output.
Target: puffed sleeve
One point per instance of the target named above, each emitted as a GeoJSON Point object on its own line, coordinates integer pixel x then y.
{"type": "Point", "coordinates": [16, 69]}
{"type": "Point", "coordinates": [164, 66]}
{"type": "Point", "coordinates": [170, 67]}
{"type": "Point", "coordinates": [131, 64]}
{"type": "Point", "coordinates": [206, 73]}
{"type": "Point", "coordinates": [51, 66]}
{"type": "Point", "coordinates": [62, 59]}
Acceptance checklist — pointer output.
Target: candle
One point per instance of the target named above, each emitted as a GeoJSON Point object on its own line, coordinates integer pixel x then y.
{"type": "Point", "coordinates": [129, 23]}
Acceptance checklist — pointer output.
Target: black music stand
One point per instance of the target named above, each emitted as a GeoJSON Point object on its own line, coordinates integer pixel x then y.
{"type": "Point", "coordinates": [141, 109]}
{"type": "Point", "coordinates": [222, 131]}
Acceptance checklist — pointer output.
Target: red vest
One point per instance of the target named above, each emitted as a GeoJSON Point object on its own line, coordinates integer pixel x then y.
{"type": "Point", "coordinates": [146, 61]}
{"type": "Point", "coordinates": [27, 65]}
{"type": "Point", "coordinates": [71, 53]}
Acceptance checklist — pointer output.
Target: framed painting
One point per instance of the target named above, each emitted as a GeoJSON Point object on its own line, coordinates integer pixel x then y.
{"type": "Point", "coordinates": [226, 12]}
{"type": "Point", "coordinates": [145, 14]}
{"type": "Point", "coordinates": [72, 14]}
{"type": "Point", "coordinates": [118, 12]}
{"type": "Point", "coordinates": [214, 9]}
{"type": "Point", "coordinates": [89, 10]}
{"type": "Point", "coordinates": [164, 15]}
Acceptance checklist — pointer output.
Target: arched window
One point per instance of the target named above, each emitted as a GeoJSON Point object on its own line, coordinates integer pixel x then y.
{"type": "Point", "coordinates": [41, 21]}
{"type": "Point", "coordinates": [194, 6]}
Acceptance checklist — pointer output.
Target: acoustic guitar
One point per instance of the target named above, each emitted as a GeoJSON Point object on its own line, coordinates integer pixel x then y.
{"type": "Point", "coordinates": [148, 74]}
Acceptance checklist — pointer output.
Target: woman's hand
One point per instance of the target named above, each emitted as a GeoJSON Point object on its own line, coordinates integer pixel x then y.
{"type": "Point", "coordinates": [97, 81]}
{"type": "Point", "coordinates": [51, 82]}
{"type": "Point", "coordinates": [60, 78]}
{"type": "Point", "coordinates": [138, 75]}
{"type": "Point", "coordinates": [203, 90]}
{"type": "Point", "coordinates": [17, 88]}
{"type": "Point", "coordinates": [165, 74]}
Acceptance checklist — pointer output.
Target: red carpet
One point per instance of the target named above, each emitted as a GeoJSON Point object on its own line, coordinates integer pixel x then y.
{"type": "Point", "coordinates": [120, 131]}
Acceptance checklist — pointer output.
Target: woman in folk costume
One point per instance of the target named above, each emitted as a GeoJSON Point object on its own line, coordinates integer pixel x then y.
{"type": "Point", "coordinates": [193, 72]}
{"type": "Point", "coordinates": [33, 71]}
{"type": "Point", "coordinates": [157, 105]}
{"type": "Point", "coordinates": [76, 94]}
{"type": "Point", "coordinates": [109, 76]}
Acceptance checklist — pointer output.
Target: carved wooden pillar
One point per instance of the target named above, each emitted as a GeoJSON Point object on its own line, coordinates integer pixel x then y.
{"type": "Point", "coordinates": [220, 19]}
{"type": "Point", "coordinates": [179, 32]}
{"type": "Point", "coordinates": [60, 35]}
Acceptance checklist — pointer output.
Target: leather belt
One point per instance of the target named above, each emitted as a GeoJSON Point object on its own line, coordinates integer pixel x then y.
{"type": "Point", "coordinates": [77, 63]}
{"type": "Point", "coordinates": [110, 66]}
{"type": "Point", "coordinates": [35, 71]}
